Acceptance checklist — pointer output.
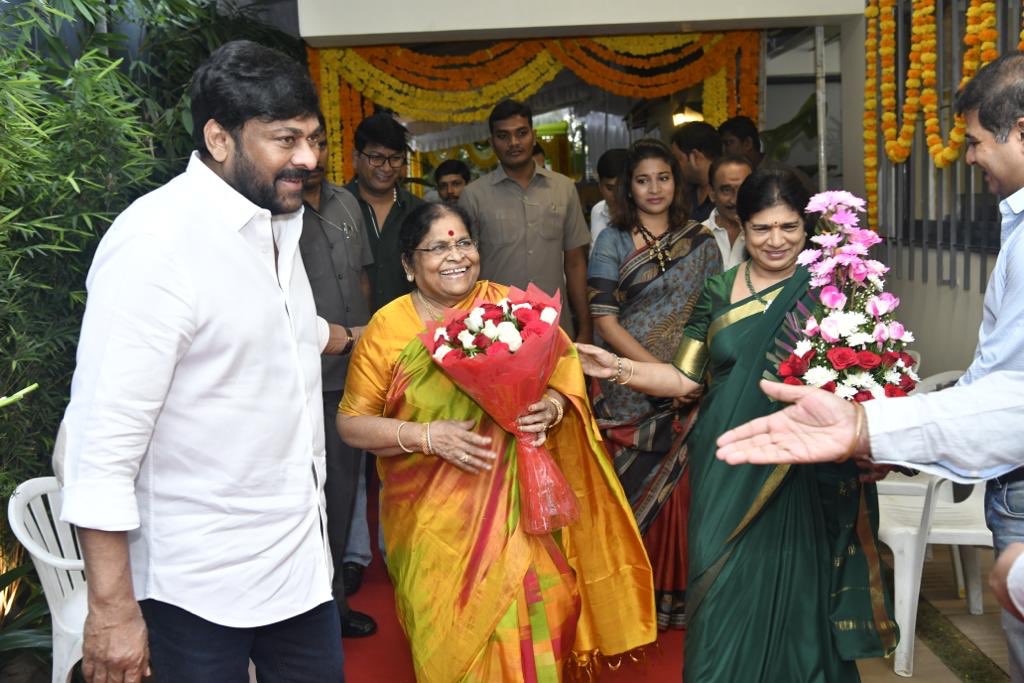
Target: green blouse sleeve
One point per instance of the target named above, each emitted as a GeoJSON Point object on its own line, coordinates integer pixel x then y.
{"type": "Point", "coordinates": [691, 357]}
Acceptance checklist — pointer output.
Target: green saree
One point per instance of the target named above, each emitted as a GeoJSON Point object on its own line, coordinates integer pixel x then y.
{"type": "Point", "coordinates": [784, 570]}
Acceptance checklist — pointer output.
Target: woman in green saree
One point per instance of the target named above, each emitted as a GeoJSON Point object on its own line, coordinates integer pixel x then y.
{"type": "Point", "coordinates": [784, 578]}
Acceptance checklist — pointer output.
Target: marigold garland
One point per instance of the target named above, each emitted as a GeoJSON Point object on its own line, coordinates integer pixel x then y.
{"type": "Point", "coordinates": [715, 99]}
{"type": "Point", "coordinates": [464, 88]}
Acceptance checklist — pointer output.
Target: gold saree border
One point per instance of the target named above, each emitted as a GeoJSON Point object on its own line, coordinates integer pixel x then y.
{"type": "Point", "coordinates": [770, 486]}
{"type": "Point", "coordinates": [734, 315]}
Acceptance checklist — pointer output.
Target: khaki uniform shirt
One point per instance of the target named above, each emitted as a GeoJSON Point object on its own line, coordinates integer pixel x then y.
{"type": "Point", "coordinates": [524, 234]}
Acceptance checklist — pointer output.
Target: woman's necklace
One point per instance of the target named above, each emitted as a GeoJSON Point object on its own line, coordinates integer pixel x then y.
{"type": "Point", "coordinates": [654, 244]}
{"type": "Point", "coordinates": [431, 311]}
{"type": "Point", "coordinates": [750, 285]}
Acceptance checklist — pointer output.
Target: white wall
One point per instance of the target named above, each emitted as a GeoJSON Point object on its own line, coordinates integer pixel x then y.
{"type": "Point", "coordinates": [326, 23]}
{"type": "Point", "coordinates": [944, 319]}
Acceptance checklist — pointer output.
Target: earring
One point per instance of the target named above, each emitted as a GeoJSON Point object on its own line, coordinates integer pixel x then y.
{"type": "Point", "coordinates": [410, 277]}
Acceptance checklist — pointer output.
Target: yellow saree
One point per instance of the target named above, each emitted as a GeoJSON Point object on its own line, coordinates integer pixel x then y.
{"type": "Point", "coordinates": [479, 599]}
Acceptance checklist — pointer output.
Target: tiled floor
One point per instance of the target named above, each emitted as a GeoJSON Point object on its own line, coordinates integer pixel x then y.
{"type": "Point", "coordinates": [939, 589]}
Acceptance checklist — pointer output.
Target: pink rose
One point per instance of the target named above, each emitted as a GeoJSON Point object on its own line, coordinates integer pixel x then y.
{"type": "Point", "coordinates": [882, 304]}
{"type": "Point", "coordinates": [811, 326]}
{"type": "Point", "coordinates": [829, 330]}
{"type": "Point", "coordinates": [498, 348]}
{"type": "Point", "coordinates": [859, 270]}
{"type": "Point", "coordinates": [833, 298]}
{"type": "Point", "coordinates": [880, 333]}
{"type": "Point", "coordinates": [896, 330]}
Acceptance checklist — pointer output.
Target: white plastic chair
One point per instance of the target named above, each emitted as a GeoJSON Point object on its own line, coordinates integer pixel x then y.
{"type": "Point", "coordinates": [907, 524]}
{"type": "Point", "coordinates": [34, 515]}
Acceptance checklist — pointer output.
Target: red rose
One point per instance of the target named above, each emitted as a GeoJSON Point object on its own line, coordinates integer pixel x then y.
{"type": "Point", "coordinates": [842, 357]}
{"type": "Point", "coordinates": [452, 356]}
{"type": "Point", "coordinates": [794, 381]}
{"type": "Point", "coordinates": [906, 383]}
{"type": "Point", "coordinates": [493, 313]}
{"type": "Point", "coordinates": [889, 358]}
{"type": "Point", "coordinates": [453, 329]}
{"type": "Point", "coordinates": [809, 356]}
{"type": "Point", "coordinates": [891, 390]}
{"type": "Point", "coordinates": [908, 360]}
{"type": "Point", "coordinates": [525, 316]}
{"type": "Point", "coordinates": [481, 341]}
{"type": "Point", "coordinates": [863, 395]}
{"type": "Point", "coordinates": [829, 386]}
{"type": "Point", "coordinates": [497, 348]}
{"type": "Point", "coordinates": [534, 328]}
{"type": "Point", "coordinates": [869, 360]}
{"type": "Point", "coordinates": [794, 366]}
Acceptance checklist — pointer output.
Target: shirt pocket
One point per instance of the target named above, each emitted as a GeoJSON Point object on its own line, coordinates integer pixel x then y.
{"type": "Point", "coordinates": [510, 228]}
{"type": "Point", "coordinates": [551, 221]}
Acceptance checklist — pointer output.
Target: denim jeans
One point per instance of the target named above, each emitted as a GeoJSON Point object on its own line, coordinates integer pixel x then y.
{"type": "Point", "coordinates": [184, 647]}
{"type": "Point", "coordinates": [358, 548]}
{"type": "Point", "coordinates": [1004, 512]}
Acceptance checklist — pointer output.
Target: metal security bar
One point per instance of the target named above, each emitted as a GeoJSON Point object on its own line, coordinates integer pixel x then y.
{"type": "Point", "coordinates": [934, 219]}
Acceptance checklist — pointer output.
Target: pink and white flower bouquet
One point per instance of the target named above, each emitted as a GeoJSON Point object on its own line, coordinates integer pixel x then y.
{"type": "Point", "coordinates": [852, 344]}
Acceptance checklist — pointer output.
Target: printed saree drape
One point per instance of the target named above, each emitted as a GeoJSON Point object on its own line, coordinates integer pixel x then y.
{"type": "Point", "coordinates": [784, 575]}
{"type": "Point", "coordinates": [479, 599]}
{"type": "Point", "coordinates": [645, 435]}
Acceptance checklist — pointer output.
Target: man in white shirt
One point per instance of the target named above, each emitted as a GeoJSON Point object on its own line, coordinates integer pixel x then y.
{"type": "Point", "coordinates": [725, 176]}
{"type": "Point", "coordinates": [609, 167]}
{"type": "Point", "coordinates": [195, 438]}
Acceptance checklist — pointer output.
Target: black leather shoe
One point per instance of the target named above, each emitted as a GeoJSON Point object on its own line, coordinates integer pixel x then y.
{"type": "Point", "coordinates": [352, 577]}
{"type": "Point", "coordinates": [357, 625]}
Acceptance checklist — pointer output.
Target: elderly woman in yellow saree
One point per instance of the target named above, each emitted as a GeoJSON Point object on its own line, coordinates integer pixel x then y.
{"type": "Point", "coordinates": [479, 598]}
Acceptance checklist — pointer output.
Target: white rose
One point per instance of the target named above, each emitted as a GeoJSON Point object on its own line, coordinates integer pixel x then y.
{"type": "Point", "coordinates": [549, 315]}
{"type": "Point", "coordinates": [516, 307]}
{"type": "Point", "coordinates": [490, 330]}
{"type": "Point", "coordinates": [441, 333]}
{"type": "Point", "coordinates": [475, 320]}
{"type": "Point", "coordinates": [441, 351]}
{"type": "Point", "coordinates": [818, 376]}
{"type": "Point", "coordinates": [503, 305]}
{"type": "Point", "coordinates": [508, 334]}
{"type": "Point", "coordinates": [466, 339]}
{"type": "Point", "coordinates": [802, 347]}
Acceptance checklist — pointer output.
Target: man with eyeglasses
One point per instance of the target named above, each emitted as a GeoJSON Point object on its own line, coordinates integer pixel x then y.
{"type": "Point", "coordinates": [335, 255]}
{"type": "Point", "coordinates": [528, 220]}
{"type": "Point", "coordinates": [381, 147]}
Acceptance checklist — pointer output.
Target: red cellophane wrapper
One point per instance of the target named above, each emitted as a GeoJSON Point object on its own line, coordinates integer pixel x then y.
{"type": "Point", "coordinates": [504, 386]}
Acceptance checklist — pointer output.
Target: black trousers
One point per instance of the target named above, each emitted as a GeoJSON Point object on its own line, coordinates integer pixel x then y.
{"type": "Point", "coordinates": [340, 492]}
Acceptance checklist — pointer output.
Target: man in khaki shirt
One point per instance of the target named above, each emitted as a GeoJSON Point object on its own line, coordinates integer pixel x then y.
{"type": "Point", "coordinates": [529, 220]}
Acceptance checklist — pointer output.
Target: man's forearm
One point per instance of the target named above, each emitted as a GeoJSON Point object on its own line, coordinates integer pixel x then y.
{"type": "Point", "coordinates": [108, 568]}
{"type": "Point", "coordinates": [575, 263]}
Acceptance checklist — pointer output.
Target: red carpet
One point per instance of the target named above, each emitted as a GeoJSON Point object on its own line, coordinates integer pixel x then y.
{"type": "Point", "coordinates": [385, 656]}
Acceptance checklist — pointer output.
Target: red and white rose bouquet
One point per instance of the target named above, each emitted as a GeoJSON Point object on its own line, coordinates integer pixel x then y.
{"type": "Point", "coordinates": [503, 354]}
{"type": "Point", "coordinates": [852, 344]}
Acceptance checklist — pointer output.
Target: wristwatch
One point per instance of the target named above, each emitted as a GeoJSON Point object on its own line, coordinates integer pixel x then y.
{"type": "Point", "coordinates": [350, 342]}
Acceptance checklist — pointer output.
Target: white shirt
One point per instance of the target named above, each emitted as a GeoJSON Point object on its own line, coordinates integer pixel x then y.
{"type": "Point", "coordinates": [732, 254]}
{"type": "Point", "coordinates": [196, 419]}
{"type": "Point", "coordinates": [966, 433]}
{"type": "Point", "coordinates": [599, 220]}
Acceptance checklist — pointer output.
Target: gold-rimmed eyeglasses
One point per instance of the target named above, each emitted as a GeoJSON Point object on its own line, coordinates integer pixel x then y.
{"type": "Point", "coordinates": [464, 246]}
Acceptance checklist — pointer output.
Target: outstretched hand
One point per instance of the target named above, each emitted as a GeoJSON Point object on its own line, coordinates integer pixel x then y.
{"type": "Point", "coordinates": [818, 427]}
{"type": "Point", "coordinates": [597, 362]}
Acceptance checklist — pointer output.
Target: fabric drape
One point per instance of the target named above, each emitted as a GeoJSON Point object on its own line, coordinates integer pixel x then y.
{"type": "Point", "coordinates": [784, 571]}
{"type": "Point", "coordinates": [479, 599]}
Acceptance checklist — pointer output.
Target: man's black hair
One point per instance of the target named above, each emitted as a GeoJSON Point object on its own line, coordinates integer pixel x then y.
{"type": "Point", "coordinates": [743, 128]}
{"type": "Point", "coordinates": [384, 130]}
{"type": "Point", "coordinates": [506, 109]}
{"type": "Point", "coordinates": [700, 136]}
{"type": "Point", "coordinates": [611, 163]}
{"type": "Point", "coordinates": [243, 80]}
{"type": "Point", "coordinates": [997, 93]}
{"type": "Point", "coordinates": [451, 167]}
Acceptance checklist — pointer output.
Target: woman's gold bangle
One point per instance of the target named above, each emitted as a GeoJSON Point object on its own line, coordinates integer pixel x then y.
{"type": "Point", "coordinates": [632, 369]}
{"type": "Point", "coordinates": [429, 450]}
{"type": "Point", "coordinates": [559, 410]}
{"type": "Point", "coordinates": [398, 436]}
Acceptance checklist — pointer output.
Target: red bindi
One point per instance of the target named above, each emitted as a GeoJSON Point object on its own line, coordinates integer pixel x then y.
{"type": "Point", "coordinates": [451, 233]}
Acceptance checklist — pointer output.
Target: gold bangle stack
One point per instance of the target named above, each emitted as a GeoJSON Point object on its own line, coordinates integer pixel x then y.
{"type": "Point", "coordinates": [559, 410]}
{"type": "Point", "coordinates": [857, 431]}
{"type": "Point", "coordinates": [617, 379]}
